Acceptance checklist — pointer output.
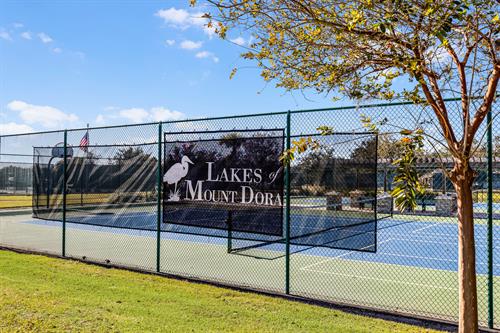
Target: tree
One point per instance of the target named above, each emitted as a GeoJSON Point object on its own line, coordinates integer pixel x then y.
{"type": "Point", "coordinates": [496, 147]}
{"type": "Point", "coordinates": [314, 171]}
{"type": "Point", "coordinates": [357, 48]}
{"type": "Point", "coordinates": [232, 141]}
{"type": "Point", "coordinates": [134, 170]}
{"type": "Point", "coordinates": [131, 153]}
{"type": "Point", "coordinates": [387, 147]}
{"type": "Point", "coordinates": [90, 158]}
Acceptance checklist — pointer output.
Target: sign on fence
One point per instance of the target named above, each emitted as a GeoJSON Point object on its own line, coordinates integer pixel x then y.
{"type": "Point", "coordinates": [234, 181]}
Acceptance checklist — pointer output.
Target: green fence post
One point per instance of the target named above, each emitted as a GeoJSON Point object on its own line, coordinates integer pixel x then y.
{"type": "Point", "coordinates": [158, 199]}
{"type": "Point", "coordinates": [65, 154]}
{"type": "Point", "coordinates": [490, 218]}
{"type": "Point", "coordinates": [287, 210]}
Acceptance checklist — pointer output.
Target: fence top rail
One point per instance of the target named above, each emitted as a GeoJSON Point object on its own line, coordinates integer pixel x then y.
{"type": "Point", "coordinates": [349, 107]}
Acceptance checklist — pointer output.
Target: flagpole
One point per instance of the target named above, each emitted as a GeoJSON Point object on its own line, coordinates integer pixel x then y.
{"type": "Point", "coordinates": [88, 142]}
{"type": "Point", "coordinates": [86, 158]}
{"type": "Point", "coordinates": [84, 174]}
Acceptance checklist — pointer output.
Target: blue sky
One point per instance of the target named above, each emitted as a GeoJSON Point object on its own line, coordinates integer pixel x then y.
{"type": "Point", "coordinates": [64, 64]}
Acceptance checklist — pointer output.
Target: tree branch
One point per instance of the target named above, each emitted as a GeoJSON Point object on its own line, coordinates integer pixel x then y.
{"type": "Point", "coordinates": [483, 110]}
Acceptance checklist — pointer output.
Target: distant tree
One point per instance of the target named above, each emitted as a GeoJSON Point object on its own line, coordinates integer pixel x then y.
{"type": "Point", "coordinates": [196, 151]}
{"type": "Point", "coordinates": [388, 148]}
{"type": "Point", "coordinates": [315, 168]}
{"type": "Point", "coordinates": [134, 170]}
{"type": "Point", "coordinates": [132, 153]}
{"type": "Point", "coordinates": [497, 147]}
{"type": "Point", "coordinates": [233, 141]}
{"type": "Point", "coordinates": [90, 158]}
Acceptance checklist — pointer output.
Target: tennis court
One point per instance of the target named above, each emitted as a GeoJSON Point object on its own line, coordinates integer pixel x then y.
{"type": "Point", "coordinates": [414, 261]}
{"type": "Point", "coordinates": [427, 239]}
{"type": "Point", "coordinates": [400, 242]}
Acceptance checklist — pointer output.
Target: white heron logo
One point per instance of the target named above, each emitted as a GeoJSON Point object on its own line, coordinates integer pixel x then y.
{"type": "Point", "coordinates": [175, 174]}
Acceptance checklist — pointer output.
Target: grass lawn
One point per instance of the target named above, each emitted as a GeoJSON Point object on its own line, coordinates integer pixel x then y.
{"type": "Point", "coordinates": [19, 201]}
{"type": "Point", "coordinates": [45, 294]}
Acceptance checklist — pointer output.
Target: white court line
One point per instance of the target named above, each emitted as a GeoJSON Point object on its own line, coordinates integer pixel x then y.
{"type": "Point", "coordinates": [437, 234]}
{"type": "Point", "coordinates": [427, 241]}
{"type": "Point", "coordinates": [454, 233]}
{"type": "Point", "coordinates": [423, 241]}
{"type": "Point", "coordinates": [428, 258]}
{"type": "Point", "coordinates": [433, 235]}
{"type": "Point", "coordinates": [423, 228]}
{"type": "Point", "coordinates": [391, 281]}
{"type": "Point", "coordinates": [386, 264]}
{"type": "Point", "coordinates": [326, 260]}
{"type": "Point", "coordinates": [378, 279]}
{"type": "Point", "coordinates": [307, 267]}
{"type": "Point", "coordinates": [339, 256]}
{"type": "Point", "coordinates": [420, 235]}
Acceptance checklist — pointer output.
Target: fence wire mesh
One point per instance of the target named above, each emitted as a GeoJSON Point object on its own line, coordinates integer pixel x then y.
{"type": "Point", "coordinates": [16, 206]}
{"type": "Point", "coordinates": [346, 242]}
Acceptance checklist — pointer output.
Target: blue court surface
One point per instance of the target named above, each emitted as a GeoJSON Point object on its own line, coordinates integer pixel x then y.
{"type": "Point", "coordinates": [429, 245]}
{"type": "Point", "coordinates": [426, 245]}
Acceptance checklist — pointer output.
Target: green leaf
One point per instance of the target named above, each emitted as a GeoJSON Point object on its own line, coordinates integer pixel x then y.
{"type": "Point", "coordinates": [325, 130]}
{"type": "Point", "coordinates": [406, 132]}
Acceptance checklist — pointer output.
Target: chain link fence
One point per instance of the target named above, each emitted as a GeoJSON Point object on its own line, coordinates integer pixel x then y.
{"type": "Point", "coordinates": [342, 240]}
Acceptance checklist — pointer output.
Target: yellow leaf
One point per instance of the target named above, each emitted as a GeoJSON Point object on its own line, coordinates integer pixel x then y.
{"type": "Point", "coordinates": [233, 72]}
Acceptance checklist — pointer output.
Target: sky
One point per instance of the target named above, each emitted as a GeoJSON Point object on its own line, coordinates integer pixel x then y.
{"type": "Point", "coordinates": [65, 64]}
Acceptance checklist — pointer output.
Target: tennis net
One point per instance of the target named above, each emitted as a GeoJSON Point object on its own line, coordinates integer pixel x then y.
{"type": "Point", "coordinates": [317, 226]}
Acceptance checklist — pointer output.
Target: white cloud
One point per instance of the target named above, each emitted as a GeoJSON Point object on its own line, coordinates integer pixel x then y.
{"type": "Point", "coordinates": [138, 115]}
{"type": "Point", "coordinates": [163, 114]}
{"type": "Point", "coordinates": [183, 19]}
{"type": "Point", "coordinates": [206, 54]}
{"type": "Point", "coordinates": [5, 35]}
{"type": "Point", "coordinates": [45, 38]}
{"type": "Point", "coordinates": [134, 115]}
{"type": "Point", "coordinates": [14, 128]}
{"type": "Point", "coordinates": [190, 45]}
{"type": "Point", "coordinates": [203, 54]}
{"type": "Point", "coordinates": [18, 25]}
{"type": "Point", "coordinates": [174, 16]}
{"type": "Point", "coordinates": [209, 31]}
{"type": "Point", "coordinates": [56, 50]}
{"type": "Point", "coordinates": [100, 119]}
{"type": "Point", "coordinates": [170, 42]}
{"type": "Point", "coordinates": [193, 126]}
{"type": "Point", "coordinates": [26, 35]}
{"type": "Point", "coordinates": [47, 116]}
{"type": "Point", "coordinates": [239, 40]}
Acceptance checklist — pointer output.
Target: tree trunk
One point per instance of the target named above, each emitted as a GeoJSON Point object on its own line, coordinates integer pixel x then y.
{"type": "Point", "coordinates": [462, 177]}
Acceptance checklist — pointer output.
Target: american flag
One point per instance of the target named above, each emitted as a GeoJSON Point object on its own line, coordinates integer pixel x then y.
{"type": "Point", "coordinates": [84, 142]}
